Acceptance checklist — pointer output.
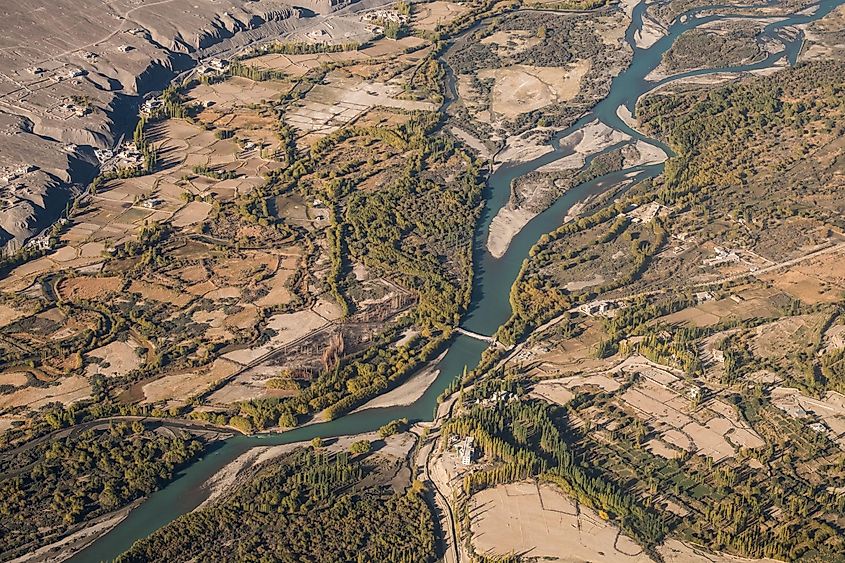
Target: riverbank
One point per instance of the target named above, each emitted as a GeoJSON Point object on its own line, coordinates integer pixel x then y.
{"type": "Point", "coordinates": [489, 309]}
{"type": "Point", "coordinates": [74, 543]}
{"type": "Point", "coordinates": [577, 147]}
{"type": "Point", "coordinates": [408, 392]}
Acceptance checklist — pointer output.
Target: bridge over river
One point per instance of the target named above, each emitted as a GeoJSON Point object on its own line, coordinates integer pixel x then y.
{"type": "Point", "coordinates": [484, 338]}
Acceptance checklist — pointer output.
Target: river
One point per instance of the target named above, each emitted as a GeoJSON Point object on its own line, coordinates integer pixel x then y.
{"type": "Point", "coordinates": [490, 306]}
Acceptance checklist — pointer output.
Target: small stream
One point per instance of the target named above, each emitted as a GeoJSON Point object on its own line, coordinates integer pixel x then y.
{"type": "Point", "coordinates": [490, 306]}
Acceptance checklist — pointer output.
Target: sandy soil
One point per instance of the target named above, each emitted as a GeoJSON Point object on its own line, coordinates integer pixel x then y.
{"type": "Point", "coordinates": [279, 293]}
{"type": "Point", "coordinates": [341, 99]}
{"type": "Point", "coordinates": [121, 357]}
{"type": "Point", "coordinates": [6, 422]}
{"type": "Point", "coordinates": [505, 225]}
{"type": "Point", "coordinates": [521, 89]}
{"type": "Point", "coordinates": [409, 391]}
{"type": "Point", "coordinates": [553, 392]}
{"type": "Point", "coordinates": [407, 337]}
{"type": "Point", "coordinates": [510, 219]}
{"type": "Point", "coordinates": [89, 288]}
{"type": "Point", "coordinates": [156, 292]}
{"type": "Point", "coordinates": [525, 147]}
{"type": "Point", "coordinates": [611, 30]}
{"type": "Point", "coordinates": [593, 138]}
{"type": "Point", "coordinates": [8, 314]}
{"type": "Point", "coordinates": [650, 33]}
{"type": "Point", "coordinates": [510, 43]}
{"type": "Point", "coordinates": [193, 213]}
{"type": "Point", "coordinates": [539, 521]}
{"type": "Point", "coordinates": [182, 386]}
{"type": "Point", "coordinates": [289, 327]}
{"type": "Point", "coordinates": [661, 448]}
{"type": "Point", "coordinates": [584, 284]}
{"type": "Point", "coordinates": [14, 378]}
{"type": "Point", "coordinates": [646, 154]}
{"type": "Point", "coordinates": [429, 15]}
{"type": "Point", "coordinates": [69, 390]}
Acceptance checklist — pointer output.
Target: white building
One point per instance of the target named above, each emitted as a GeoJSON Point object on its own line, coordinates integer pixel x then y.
{"type": "Point", "coordinates": [41, 242]}
{"type": "Point", "coordinates": [151, 105]}
{"type": "Point", "coordinates": [597, 308]}
{"type": "Point", "coordinates": [151, 203]}
{"type": "Point", "coordinates": [819, 427]}
{"type": "Point", "coordinates": [465, 450]}
{"type": "Point", "coordinates": [104, 155]}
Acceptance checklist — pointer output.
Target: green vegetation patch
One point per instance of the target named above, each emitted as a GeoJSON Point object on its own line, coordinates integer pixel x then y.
{"type": "Point", "coordinates": [49, 488]}
{"type": "Point", "coordinates": [311, 506]}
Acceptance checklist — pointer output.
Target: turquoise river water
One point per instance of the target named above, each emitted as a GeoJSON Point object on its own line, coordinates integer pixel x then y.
{"type": "Point", "coordinates": [490, 306]}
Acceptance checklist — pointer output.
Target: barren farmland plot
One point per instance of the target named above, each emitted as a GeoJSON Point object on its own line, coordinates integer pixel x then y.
{"type": "Point", "coordinates": [521, 89]}
{"type": "Point", "coordinates": [343, 99]}
{"type": "Point", "coordinates": [115, 359]}
{"type": "Point", "coordinates": [90, 288]}
{"type": "Point", "coordinates": [538, 520]}
{"type": "Point", "coordinates": [178, 388]}
{"type": "Point", "coordinates": [66, 391]}
{"type": "Point", "coordinates": [430, 15]}
{"type": "Point", "coordinates": [819, 280]}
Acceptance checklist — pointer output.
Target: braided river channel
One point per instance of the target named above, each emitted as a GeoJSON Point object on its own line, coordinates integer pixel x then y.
{"type": "Point", "coordinates": [490, 305]}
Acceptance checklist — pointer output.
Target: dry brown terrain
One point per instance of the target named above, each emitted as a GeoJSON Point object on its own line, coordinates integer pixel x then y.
{"type": "Point", "coordinates": [538, 521]}
{"type": "Point", "coordinates": [521, 88]}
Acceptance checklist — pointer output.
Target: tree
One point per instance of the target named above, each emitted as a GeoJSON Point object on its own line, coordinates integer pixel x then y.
{"type": "Point", "coordinates": [241, 423]}
{"type": "Point", "coordinates": [360, 447]}
{"type": "Point", "coordinates": [287, 420]}
{"type": "Point", "coordinates": [393, 427]}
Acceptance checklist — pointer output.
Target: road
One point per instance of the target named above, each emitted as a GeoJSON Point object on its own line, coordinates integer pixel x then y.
{"type": "Point", "coordinates": [775, 267]}
{"type": "Point", "coordinates": [194, 427]}
{"type": "Point", "coordinates": [452, 552]}
{"type": "Point", "coordinates": [727, 279]}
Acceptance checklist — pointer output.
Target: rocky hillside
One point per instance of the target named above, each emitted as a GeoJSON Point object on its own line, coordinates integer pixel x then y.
{"type": "Point", "coordinates": [73, 71]}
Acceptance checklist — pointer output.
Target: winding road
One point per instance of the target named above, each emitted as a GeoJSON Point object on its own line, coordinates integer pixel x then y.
{"type": "Point", "coordinates": [492, 283]}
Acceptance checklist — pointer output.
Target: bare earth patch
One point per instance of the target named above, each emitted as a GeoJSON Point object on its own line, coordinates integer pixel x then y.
{"type": "Point", "coordinates": [553, 392]}
{"type": "Point", "coordinates": [408, 392]}
{"type": "Point", "coordinates": [182, 386]}
{"type": "Point", "coordinates": [90, 288]}
{"type": "Point", "coordinates": [430, 15]}
{"type": "Point", "coordinates": [288, 327]}
{"type": "Point", "coordinates": [120, 357]}
{"type": "Point", "coordinates": [156, 292]}
{"type": "Point", "coordinates": [539, 521]}
{"type": "Point", "coordinates": [8, 314]}
{"type": "Point", "coordinates": [521, 89]}
{"type": "Point", "coordinates": [68, 391]}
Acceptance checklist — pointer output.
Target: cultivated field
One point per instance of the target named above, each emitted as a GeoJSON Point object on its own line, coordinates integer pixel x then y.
{"type": "Point", "coordinates": [538, 521]}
